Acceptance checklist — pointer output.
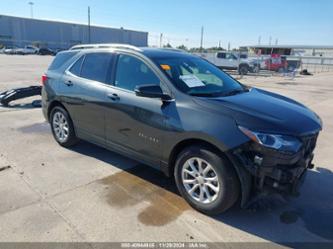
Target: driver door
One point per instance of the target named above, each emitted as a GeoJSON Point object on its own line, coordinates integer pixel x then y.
{"type": "Point", "coordinates": [134, 124]}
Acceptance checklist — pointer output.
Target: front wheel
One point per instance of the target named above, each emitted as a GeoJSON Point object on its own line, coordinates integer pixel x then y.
{"type": "Point", "coordinates": [206, 180]}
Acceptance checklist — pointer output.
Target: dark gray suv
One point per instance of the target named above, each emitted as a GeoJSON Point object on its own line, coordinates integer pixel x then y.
{"type": "Point", "coordinates": [221, 140]}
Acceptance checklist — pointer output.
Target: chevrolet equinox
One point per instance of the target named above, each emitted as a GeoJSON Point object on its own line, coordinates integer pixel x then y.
{"type": "Point", "coordinates": [222, 141]}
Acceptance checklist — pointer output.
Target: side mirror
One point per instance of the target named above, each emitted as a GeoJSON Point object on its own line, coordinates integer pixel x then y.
{"type": "Point", "coordinates": [151, 91]}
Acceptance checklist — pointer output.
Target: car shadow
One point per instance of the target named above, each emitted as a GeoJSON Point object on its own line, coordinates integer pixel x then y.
{"type": "Point", "coordinates": [307, 218]}
{"type": "Point", "coordinates": [292, 219]}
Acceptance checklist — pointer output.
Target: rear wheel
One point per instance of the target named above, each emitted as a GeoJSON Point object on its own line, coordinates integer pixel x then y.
{"type": "Point", "coordinates": [62, 127]}
{"type": "Point", "coordinates": [280, 70]}
{"type": "Point", "coordinates": [256, 69]}
{"type": "Point", "coordinates": [243, 69]}
{"type": "Point", "coordinates": [206, 180]}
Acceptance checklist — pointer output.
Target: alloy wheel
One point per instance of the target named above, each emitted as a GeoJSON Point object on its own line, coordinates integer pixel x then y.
{"type": "Point", "coordinates": [60, 126]}
{"type": "Point", "coordinates": [200, 180]}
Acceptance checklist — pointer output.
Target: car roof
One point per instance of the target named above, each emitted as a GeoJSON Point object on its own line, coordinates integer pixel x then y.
{"type": "Point", "coordinates": [147, 51]}
{"type": "Point", "coordinates": [164, 53]}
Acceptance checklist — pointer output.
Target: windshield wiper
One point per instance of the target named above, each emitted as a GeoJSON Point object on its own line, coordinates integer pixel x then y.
{"type": "Point", "coordinates": [235, 92]}
{"type": "Point", "coordinates": [214, 94]}
{"type": "Point", "coordinates": [219, 94]}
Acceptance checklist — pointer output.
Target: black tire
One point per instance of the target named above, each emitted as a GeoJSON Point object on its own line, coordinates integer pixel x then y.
{"type": "Point", "coordinates": [71, 139]}
{"type": "Point", "coordinates": [256, 69]}
{"type": "Point", "coordinates": [243, 69]}
{"type": "Point", "coordinates": [280, 70]}
{"type": "Point", "coordinates": [227, 179]}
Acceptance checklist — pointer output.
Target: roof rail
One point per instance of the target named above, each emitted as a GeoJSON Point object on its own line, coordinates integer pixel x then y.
{"type": "Point", "coordinates": [175, 49]}
{"type": "Point", "coordinates": [105, 45]}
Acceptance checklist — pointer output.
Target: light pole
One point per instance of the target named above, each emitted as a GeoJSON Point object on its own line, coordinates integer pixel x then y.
{"type": "Point", "coordinates": [31, 9]}
{"type": "Point", "coordinates": [161, 40]}
{"type": "Point", "coordinates": [202, 38]}
{"type": "Point", "coordinates": [89, 26]}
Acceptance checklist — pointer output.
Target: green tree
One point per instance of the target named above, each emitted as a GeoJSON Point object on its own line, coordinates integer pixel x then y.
{"type": "Point", "coordinates": [182, 47]}
{"type": "Point", "coordinates": [168, 45]}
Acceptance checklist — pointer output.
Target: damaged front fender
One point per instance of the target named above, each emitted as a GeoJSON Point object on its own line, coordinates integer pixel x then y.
{"type": "Point", "coordinates": [265, 171]}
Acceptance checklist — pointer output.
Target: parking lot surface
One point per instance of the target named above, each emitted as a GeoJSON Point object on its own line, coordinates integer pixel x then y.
{"type": "Point", "coordinates": [49, 193]}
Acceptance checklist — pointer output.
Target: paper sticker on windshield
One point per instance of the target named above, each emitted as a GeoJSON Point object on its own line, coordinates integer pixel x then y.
{"type": "Point", "coordinates": [192, 80]}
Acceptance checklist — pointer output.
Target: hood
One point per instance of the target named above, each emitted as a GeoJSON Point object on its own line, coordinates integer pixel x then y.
{"type": "Point", "coordinates": [268, 112]}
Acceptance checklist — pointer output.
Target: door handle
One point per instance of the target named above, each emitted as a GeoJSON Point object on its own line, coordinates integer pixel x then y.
{"type": "Point", "coordinates": [113, 96]}
{"type": "Point", "coordinates": [68, 83]}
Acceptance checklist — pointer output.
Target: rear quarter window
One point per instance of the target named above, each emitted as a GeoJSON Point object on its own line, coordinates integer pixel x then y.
{"type": "Point", "coordinates": [76, 68]}
{"type": "Point", "coordinates": [61, 59]}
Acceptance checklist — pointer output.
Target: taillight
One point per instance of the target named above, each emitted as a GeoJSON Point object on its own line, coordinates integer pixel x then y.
{"type": "Point", "coordinates": [44, 79]}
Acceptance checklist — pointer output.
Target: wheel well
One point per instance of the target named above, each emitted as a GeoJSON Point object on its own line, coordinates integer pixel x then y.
{"type": "Point", "coordinates": [52, 105]}
{"type": "Point", "coordinates": [186, 143]}
{"type": "Point", "coordinates": [244, 65]}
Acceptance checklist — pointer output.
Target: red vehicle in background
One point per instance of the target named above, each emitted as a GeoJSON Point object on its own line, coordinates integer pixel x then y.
{"type": "Point", "coordinates": [277, 63]}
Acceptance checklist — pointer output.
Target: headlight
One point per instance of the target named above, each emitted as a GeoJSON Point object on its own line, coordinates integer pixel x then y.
{"type": "Point", "coordinates": [278, 142]}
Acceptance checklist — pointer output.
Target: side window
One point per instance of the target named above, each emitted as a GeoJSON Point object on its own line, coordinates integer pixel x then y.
{"type": "Point", "coordinates": [95, 66]}
{"type": "Point", "coordinates": [76, 68]}
{"type": "Point", "coordinates": [221, 55]}
{"type": "Point", "coordinates": [132, 72]}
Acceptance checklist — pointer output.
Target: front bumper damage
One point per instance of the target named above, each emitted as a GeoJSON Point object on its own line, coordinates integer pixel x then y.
{"type": "Point", "coordinates": [273, 171]}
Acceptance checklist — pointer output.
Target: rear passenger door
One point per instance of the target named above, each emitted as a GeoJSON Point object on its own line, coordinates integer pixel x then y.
{"type": "Point", "coordinates": [85, 84]}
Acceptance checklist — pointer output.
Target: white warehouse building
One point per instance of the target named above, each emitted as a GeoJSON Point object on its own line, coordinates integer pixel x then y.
{"type": "Point", "coordinates": [19, 32]}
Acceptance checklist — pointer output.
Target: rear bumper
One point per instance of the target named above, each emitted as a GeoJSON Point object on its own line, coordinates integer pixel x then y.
{"type": "Point", "coordinates": [45, 104]}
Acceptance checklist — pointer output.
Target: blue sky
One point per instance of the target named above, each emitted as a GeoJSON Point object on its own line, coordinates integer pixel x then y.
{"type": "Point", "coordinates": [239, 22]}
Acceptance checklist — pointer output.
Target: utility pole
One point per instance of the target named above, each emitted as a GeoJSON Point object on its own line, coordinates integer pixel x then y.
{"type": "Point", "coordinates": [161, 40]}
{"type": "Point", "coordinates": [259, 40]}
{"type": "Point", "coordinates": [31, 9]}
{"type": "Point", "coordinates": [202, 37]}
{"type": "Point", "coordinates": [270, 41]}
{"type": "Point", "coordinates": [276, 41]}
{"type": "Point", "coordinates": [89, 27]}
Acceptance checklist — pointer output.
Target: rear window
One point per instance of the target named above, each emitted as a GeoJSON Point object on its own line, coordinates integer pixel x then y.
{"type": "Point", "coordinates": [61, 59]}
{"type": "Point", "coordinates": [221, 55]}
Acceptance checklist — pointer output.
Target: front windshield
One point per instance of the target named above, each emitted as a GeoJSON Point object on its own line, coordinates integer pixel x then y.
{"type": "Point", "coordinates": [198, 77]}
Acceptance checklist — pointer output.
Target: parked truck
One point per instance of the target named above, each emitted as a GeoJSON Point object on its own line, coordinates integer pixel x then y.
{"type": "Point", "coordinates": [232, 61]}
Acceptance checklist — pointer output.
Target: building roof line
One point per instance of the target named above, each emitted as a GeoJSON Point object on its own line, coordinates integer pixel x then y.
{"type": "Point", "coordinates": [292, 46]}
{"type": "Point", "coordinates": [70, 22]}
